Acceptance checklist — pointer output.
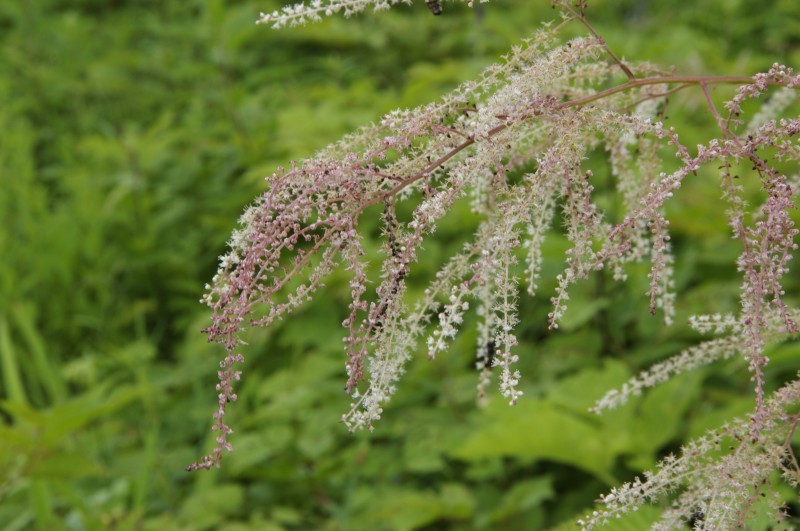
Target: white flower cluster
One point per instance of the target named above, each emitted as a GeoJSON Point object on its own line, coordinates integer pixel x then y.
{"type": "Point", "coordinates": [688, 359]}
{"type": "Point", "coordinates": [301, 14]}
{"type": "Point", "coordinates": [723, 487]}
{"type": "Point", "coordinates": [696, 356]}
{"type": "Point", "coordinates": [714, 324]}
{"type": "Point", "coordinates": [772, 108]}
{"type": "Point", "coordinates": [449, 322]}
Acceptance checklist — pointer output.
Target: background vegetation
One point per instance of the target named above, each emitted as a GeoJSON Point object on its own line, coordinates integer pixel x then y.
{"type": "Point", "coordinates": [134, 132]}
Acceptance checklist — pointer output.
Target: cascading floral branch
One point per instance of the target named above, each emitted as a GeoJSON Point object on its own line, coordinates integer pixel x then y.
{"type": "Point", "coordinates": [546, 106]}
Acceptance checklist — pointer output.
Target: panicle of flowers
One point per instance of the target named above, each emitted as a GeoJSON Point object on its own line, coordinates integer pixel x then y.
{"type": "Point", "coordinates": [587, 226]}
{"type": "Point", "coordinates": [499, 312]}
{"type": "Point", "coordinates": [395, 127]}
{"type": "Point", "coordinates": [704, 353]}
{"type": "Point", "coordinates": [714, 324]}
{"type": "Point", "coordinates": [635, 163]}
{"type": "Point", "coordinates": [493, 152]}
{"type": "Point", "coordinates": [768, 245]}
{"type": "Point", "coordinates": [690, 358]}
{"type": "Point", "coordinates": [722, 488]}
{"type": "Point", "coordinates": [505, 310]}
{"type": "Point", "coordinates": [778, 74]}
{"type": "Point", "coordinates": [772, 108]}
{"type": "Point", "coordinates": [301, 13]}
{"type": "Point", "coordinates": [515, 143]}
{"type": "Point", "coordinates": [450, 319]}
{"type": "Point", "coordinates": [768, 240]}
{"type": "Point", "coordinates": [543, 209]}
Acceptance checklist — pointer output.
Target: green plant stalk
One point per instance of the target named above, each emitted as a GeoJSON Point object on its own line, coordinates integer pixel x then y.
{"type": "Point", "coordinates": [45, 368]}
{"type": "Point", "coordinates": [42, 504]}
{"type": "Point", "coordinates": [12, 382]}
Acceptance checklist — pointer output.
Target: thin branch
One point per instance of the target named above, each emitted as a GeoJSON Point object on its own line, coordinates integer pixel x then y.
{"type": "Point", "coordinates": [787, 445]}
{"type": "Point", "coordinates": [656, 95]}
{"type": "Point", "coordinates": [725, 130]}
{"type": "Point", "coordinates": [684, 81]}
{"type": "Point", "coordinates": [582, 19]}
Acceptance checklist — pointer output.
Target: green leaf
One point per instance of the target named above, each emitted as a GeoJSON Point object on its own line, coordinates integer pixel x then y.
{"type": "Point", "coordinates": [255, 449]}
{"type": "Point", "coordinates": [66, 464]}
{"type": "Point", "coordinates": [581, 310]}
{"type": "Point", "coordinates": [536, 430]}
{"type": "Point", "coordinates": [523, 496]}
{"type": "Point", "coordinates": [46, 366]}
{"type": "Point", "coordinates": [580, 391]}
{"type": "Point", "coordinates": [456, 501]}
{"type": "Point", "coordinates": [207, 508]}
{"type": "Point", "coordinates": [403, 510]}
{"type": "Point", "coordinates": [662, 415]}
{"type": "Point", "coordinates": [12, 381]}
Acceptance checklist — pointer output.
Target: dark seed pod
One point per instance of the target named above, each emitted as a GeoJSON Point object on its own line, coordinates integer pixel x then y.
{"type": "Point", "coordinates": [490, 350]}
{"type": "Point", "coordinates": [435, 6]}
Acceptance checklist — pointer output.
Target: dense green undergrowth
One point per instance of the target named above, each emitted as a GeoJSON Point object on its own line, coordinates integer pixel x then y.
{"type": "Point", "coordinates": [132, 134]}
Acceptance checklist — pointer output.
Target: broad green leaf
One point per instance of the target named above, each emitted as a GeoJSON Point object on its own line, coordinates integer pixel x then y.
{"type": "Point", "coordinates": [523, 496]}
{"type": "Point", "coordinates": [208, 508]}
{"type": "Point", "coordinates": [536, 430]}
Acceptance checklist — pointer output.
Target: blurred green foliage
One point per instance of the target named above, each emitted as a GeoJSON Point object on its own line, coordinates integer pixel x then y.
{"type": "Point", "coordinates": [133, 133]}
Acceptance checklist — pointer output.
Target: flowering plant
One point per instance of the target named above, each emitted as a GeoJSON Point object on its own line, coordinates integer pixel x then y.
{"type": "Point", "coordinates": [515, 143]}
